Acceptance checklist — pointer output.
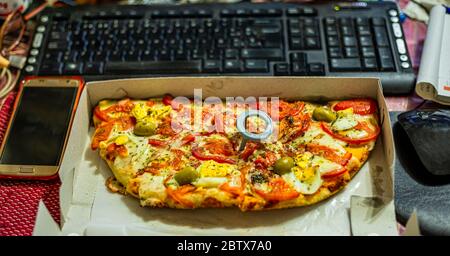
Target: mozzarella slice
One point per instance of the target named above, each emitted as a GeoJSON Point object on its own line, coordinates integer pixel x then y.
{"type": "Point", "coordinates": [325, 165]}
{"type": "Point", "coordinates": [344, 123]}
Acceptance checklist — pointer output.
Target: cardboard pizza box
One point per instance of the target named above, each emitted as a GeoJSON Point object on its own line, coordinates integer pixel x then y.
{"type": "Point", "coordinates": [364, 207]}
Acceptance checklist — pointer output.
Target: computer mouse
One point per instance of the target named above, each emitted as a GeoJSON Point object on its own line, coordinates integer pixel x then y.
{"type": "Point", "coordinates": [429, 133]}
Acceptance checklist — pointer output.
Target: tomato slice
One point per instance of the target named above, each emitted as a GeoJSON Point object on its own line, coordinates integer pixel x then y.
{"type": "Point", "coordinates": [102, 115]}
{"type": "Point", "coordinates": [236, 191]}
{"type": "Point", "coordinates": [167, 100]}
{"type": "Point", "coordinates": [265, 162]}
{"type": "Point", "coordinates": [360, 106]}
{"type": "Point", "coordinates": [372, 134]}
{"type": "Point", "coordinates": [334, 174]}
{"type": "Point", "coordinates": [125, 105]}
{"type": "Point", "coordinates": [187, 139]}
{"type": "Point", "coordinates": [329, 153]}
{"type": "Point", "coordinates": [250, 147]}
{"type": "Point", "coordinates": [280, 191]}
{"type": "Point", "coordinates": [219, 147]}
{"type": "Point", "coordinates": [158, 143]}
{"type": "Point", "coordinates": [101, 134]}
{"type": "Point", "coordinates": [200, 155]}
{"type": "Point", "coordinates": [114, 150]}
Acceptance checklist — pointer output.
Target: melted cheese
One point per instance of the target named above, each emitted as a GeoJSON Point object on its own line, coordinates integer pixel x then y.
{"type": "Point", "coordinates": [357, 152]}
{"type": "Point", "coordinates": [152, 187]}
{"type": "Point", "coordinates": [209, 182]}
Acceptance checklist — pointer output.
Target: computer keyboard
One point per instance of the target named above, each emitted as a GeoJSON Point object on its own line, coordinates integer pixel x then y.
{"type": "Point", "coordinates": [359, 39]}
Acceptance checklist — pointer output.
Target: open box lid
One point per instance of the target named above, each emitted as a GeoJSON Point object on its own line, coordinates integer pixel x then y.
{"type": "Point", "coordinates": [84, 199]}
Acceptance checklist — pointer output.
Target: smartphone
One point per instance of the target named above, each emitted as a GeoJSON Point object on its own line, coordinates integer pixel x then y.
{"type": "Point", "coordinates": [37, 134]}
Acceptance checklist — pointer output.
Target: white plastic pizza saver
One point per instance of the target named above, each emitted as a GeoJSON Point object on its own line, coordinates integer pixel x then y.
{"type": "Point", "coordinates": [246, 135]}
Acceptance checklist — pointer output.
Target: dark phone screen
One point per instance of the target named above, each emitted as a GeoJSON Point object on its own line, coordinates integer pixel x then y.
{"type": "Point", "coordinates": [39, 127]}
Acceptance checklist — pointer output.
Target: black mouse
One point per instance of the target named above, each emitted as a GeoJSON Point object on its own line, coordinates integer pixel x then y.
{"type": "Point", "coordinates": [429, 133]}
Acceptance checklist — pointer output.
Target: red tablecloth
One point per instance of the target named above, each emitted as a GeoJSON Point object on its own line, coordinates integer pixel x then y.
{"type": "Point", "coordinates": [19, 199]}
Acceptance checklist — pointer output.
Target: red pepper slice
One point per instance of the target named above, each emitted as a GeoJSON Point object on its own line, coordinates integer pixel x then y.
{"type": "Point", "coordinates": [197, 153]}
{"type": "Point", "coordinates": [360, 106]}
{"type": "Point", "coordinates": [157, 143]}
{"type": "Point", "coordinates": [250, 147]}
{"type": "Point", "coordinates": [372, 134]}
{"type": "Point", "coordinates": [187, 139]}
{"type": "Point", "coordinates": [334, 173]}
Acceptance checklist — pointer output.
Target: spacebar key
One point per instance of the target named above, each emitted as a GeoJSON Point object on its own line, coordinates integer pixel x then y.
{"type": "Point", "coordinates": [156, 67]}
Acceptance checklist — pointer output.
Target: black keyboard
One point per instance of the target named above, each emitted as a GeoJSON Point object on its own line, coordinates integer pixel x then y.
{"type": "Point", "coordinates": [359, 39]}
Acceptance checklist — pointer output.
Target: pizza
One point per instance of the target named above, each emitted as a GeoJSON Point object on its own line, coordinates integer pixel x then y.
{"type": "Point", "coordinates": [157, 156]}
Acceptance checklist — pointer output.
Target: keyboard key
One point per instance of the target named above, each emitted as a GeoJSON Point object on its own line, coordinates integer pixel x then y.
{"type": "Point", "coordinates": [310, 31]}
{"type": "Point", "coordinates": [232, 66]}
{"type": "Point", "coordinates": [370, 64]}
{"type": "Point", "coordinates": [331, 31]}
{"type": "Point", "coordinates": [50, 69]}
{"type": "Point", "coordinates": [362, 21]}
{"type": "Point", "coordinates": [345, 64]}
{"type": "Point", "coordinates": [296, 43]}
{"type": "Point", "coordinates": [316, 69]}
{"type": "Point", "coordinates": [93, 68]}
{"type": "Point", "coordinates": [384, 53]}
{"type": "Point", "coordinates": [153, 67]}
{"type": "Point", "coordinates": [298, 69]}
{"type": "Point", "coordinates": [72, 68]}
{"type": "Point", "coordinates": [334, 52]}
{"type": "Point", "coordinates": [378, 21]}
{"type": "Point", "coordinates": [281, 69]}
{"type": "Point", "coordinates": [269, 54]}
{"type": "Point", "coordinates": [53, 56]}
{"type": "Point", "coordinates": [312, 43]}
{"type": "Point", "coordinates": [332, 41]}
{"type": "Point", "coordinates": [347, 30]}
{"type": "Point", "coordinates": [385, 57]}
{"type": "Point", "coordinates": [368, 52]}
{"type": "Point", "coordinates": [345, 21]}
{"type": "Point", "coordinates": [381, 37]}
{"type": "Point", "coordinates": [256, 65]}
{"type": "Point", "coordinates": [363, 30]}
{"type": "Point", "coordinates": [351, 52]}
{"type": "Point", "coordinates": [299, 57]}
{"type": "Point", "coordinates": [231, 53]}
{"type": "Point", "coordinates": [295, 32]}
{"type": "Point", "coordinates": [365, 41]}
{"type": "Point", "coordinates": [386, 64]}
{"type": "Point", "coordinates": [57, 45]}
{"type": "Point", "coordinates": [349, 41]}
{"type": "Point", "coordinates": [212, 66]}
{"type": "Point", "coordinates": [330, 21]}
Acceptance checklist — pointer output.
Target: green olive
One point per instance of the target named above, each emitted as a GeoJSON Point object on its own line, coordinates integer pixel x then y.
{"type": "Point", "coordinates": [145, 127]}
{"type": "Point", "coordinates": [324, 114]}
{"type": "Point", "coordinates": [186, 176]}
{"type": "Point", "coordinates": [283, 165]}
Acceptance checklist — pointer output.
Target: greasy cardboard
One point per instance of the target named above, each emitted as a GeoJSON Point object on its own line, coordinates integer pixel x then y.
{"type": "Point", "coordinates": [364, 207]}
